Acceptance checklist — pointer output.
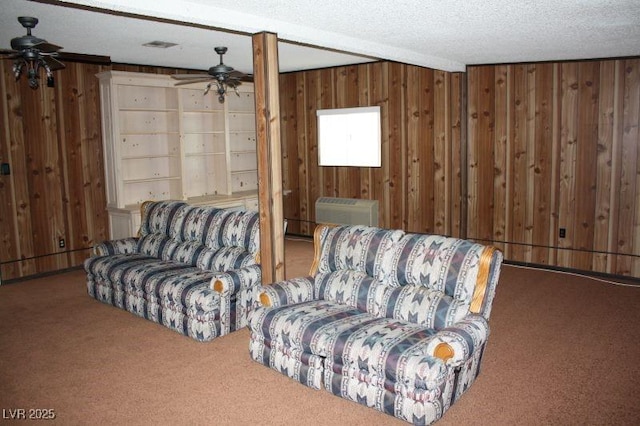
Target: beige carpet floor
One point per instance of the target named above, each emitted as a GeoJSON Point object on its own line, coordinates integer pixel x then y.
{"type": "Point", "coordinates": [564, 350]}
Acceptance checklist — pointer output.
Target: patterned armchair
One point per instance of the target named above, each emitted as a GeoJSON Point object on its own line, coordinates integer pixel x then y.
{"type": "Point", "coordinates": [395, 321]}
{"type": "Point", "coordinates": [192, 269]}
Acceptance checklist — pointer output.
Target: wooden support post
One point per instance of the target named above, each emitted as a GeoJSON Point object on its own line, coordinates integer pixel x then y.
{"type": "Point", "coordinates": [265, 78]}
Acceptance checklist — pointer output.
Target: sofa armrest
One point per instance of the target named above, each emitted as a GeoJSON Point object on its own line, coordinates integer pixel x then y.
{"type": "Point", "coordinates": [121, 246]}
{"type": "Point", "coordinates": [231, 282]}
{"type": "Point", "coordinates": [296, 290]}
{"type": "Point", "coordinates": [455, 344]}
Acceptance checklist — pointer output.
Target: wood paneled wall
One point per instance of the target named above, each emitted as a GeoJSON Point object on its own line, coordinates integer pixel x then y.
{"type": "Point", "coordinates": [419, 183]}
{"type": "Point", "coordinates": [548, 146]}
{"type": "Point", "coordinates": [556, 145]}
{"type": "Point", "coordinates": [51, 138]}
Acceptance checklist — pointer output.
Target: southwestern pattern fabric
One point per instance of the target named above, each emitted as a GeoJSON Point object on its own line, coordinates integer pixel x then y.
{"type": "Point", "coordinates": [168, 273]}
{"type": "Point", "coordinates": [369, 325]}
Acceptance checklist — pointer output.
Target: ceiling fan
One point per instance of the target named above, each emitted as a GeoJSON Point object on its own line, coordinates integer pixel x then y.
{"type": "Point", "coordinates": [33, 53]}
{"type": "Point", "coordinates": [221, 75]}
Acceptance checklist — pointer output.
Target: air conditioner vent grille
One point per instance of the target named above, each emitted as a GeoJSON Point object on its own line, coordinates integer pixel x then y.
{"type": "Point", "coordinates": [347, 211]}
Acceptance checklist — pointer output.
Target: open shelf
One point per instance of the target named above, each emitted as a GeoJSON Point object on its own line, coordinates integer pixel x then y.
{"type": "Point", "coordinates": [163, 141]}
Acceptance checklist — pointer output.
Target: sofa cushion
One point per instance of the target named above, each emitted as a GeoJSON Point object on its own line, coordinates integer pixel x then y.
{"type": "Point", "coordinates": [187, 252]}
{"type": "Point", "coordinates": [103, 266]}
{"type": "Point", "coordinates": [351, 288]}
{"type": "Point", "coordinates": [241, 229]}
{"type": "Point", "coordinates": [308, 326]}
{"type": "Point", "coordinates": [394, 351]}
{"type": "Point", "coordinates": [446, 264]}
{"type": "Point", "coordinates": [157, 245]}
{"type": "Point", "coordinates": [225, 259]}
{"type": "Point", "coordinates": [188, 292]}
{"type": "Point", "coordinates": [358, 248]}
{"type": "Point", "coordinates": [162, 217]}
{"type": "Point", "coordinates": [196, 224]}
{"type": "Point", "coordinates": [423, 306]}
{"type": "Point", "coordinates": [173, 285]}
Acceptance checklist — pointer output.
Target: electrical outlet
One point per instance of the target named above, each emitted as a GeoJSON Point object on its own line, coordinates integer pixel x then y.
{"type": "Point", "coordinates": [562, 233]}
{"type": "Point", "coordinates": [61, 243]}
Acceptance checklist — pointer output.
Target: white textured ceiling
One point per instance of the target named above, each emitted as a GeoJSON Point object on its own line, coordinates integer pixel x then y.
{"type": "Point", "coordinates": [441, 34]}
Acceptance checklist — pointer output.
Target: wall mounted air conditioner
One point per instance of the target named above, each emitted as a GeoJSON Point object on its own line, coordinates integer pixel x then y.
{"type": "Point", "coordinates": [347, 211]}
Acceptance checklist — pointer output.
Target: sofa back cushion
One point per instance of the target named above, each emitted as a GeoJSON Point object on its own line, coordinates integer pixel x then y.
{"type": "Point", "coordinates": [196, 224]}
{"type": "Point", "coordinates": [422, 305]}
{"type": "Point", "coordinates": [351, 288]}
{"type": "Point", "coordinates": [193, 226]}
{"type": "Point", "coordinates": [240, 228]}
{"type": "Point", "coordinates": [206, 237]}
{"type": "Point", "coordinates": [444, 264]}
{"type": "Point", "coordinates": [225, 259]}
{"type": "Point", "coordinates": [358, 248]}
{"type": "Point", "coordinates": [162, 217]}
{"type": "Point", "coordinates": [232, 242]}
{"type": "Point", "coordinates": [157, 245]}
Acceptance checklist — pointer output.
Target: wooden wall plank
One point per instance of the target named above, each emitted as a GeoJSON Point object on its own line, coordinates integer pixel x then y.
{"type": "Point", "coordinates": [500, 136]}
{"type": "Point", "coordinates": [475, 134]}
{"type": "Point", "coordinates": [380, 96]}
{"type": "Point", "coordinates": [289, 148]}
{"type": "Point", "coordinates": [517, 233]}
{"type": "Point", "coordinates": [413, 171]}
{"type": "Point", "coordinates": [364, 99]}
{"type": "Point", "coordinates": [306, 206]}
{"type": "Point", "coordinates": [394, 182]}
{"type": "Point", "coordinates": [542, 161]}
{"type": "Point", "coordinates": [604, 164]}
{"type": "Point", "coordinates": [616, 166]}
{"type": "Point", "coordinates": [586, 157]}
{"type": "Point", "coordinates": [627, 231]}
{"type": "Point", "coordinates": [458, 143]}
{"type": "Point", "coordinates": [568, 140]}
{"type": "Point", "coordinates": [441, 154]}
{"type": "Point", "coordinates": [312, 104]}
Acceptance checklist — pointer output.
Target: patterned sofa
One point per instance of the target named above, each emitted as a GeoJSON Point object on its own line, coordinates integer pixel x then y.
{"type": "Point", "coordinates": [191, 269]}
{"type": "Point", "coordinates": [395, 321]}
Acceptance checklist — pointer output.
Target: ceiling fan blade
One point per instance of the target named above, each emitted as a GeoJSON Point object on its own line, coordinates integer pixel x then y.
{"type": "Point", "coordinates": [46, 47]}
{"type": "Point", "coordinates": [183, 82]}
{"type": "Point", "coordinates": [189, 76]}
{"type": "Point", "coordinates": [53, 63]}
{"type": "Point", "coordinates": [8, 52]}
{"type": "Point", "coordinates": [236, 73]}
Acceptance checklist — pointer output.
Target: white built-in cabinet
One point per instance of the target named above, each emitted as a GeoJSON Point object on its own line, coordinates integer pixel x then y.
{"type": "Point", "coordinates": [168, 142]}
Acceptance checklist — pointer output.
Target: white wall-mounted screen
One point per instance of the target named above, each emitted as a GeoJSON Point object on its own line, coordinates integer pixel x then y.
{"type": "Point", "coordinates": [349, 137]}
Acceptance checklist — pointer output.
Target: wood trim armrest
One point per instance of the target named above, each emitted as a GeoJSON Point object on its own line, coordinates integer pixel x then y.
{"type": "Point", "coordinates": [482, 280]}
{"type": "Point", "coordinates": [317, 247]}
{"type": "Point", "coordinates": [143, 207]}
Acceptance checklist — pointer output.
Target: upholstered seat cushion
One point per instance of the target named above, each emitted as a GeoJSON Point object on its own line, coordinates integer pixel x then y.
{"type": "Point", "coordinates": [393, 351]}
{"type": "Point", "coordinates": [308, 326]}
{"type": "Point", "coordinates": [103, 266]}
{"type": "Point", "coordinates": [157, 281]}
